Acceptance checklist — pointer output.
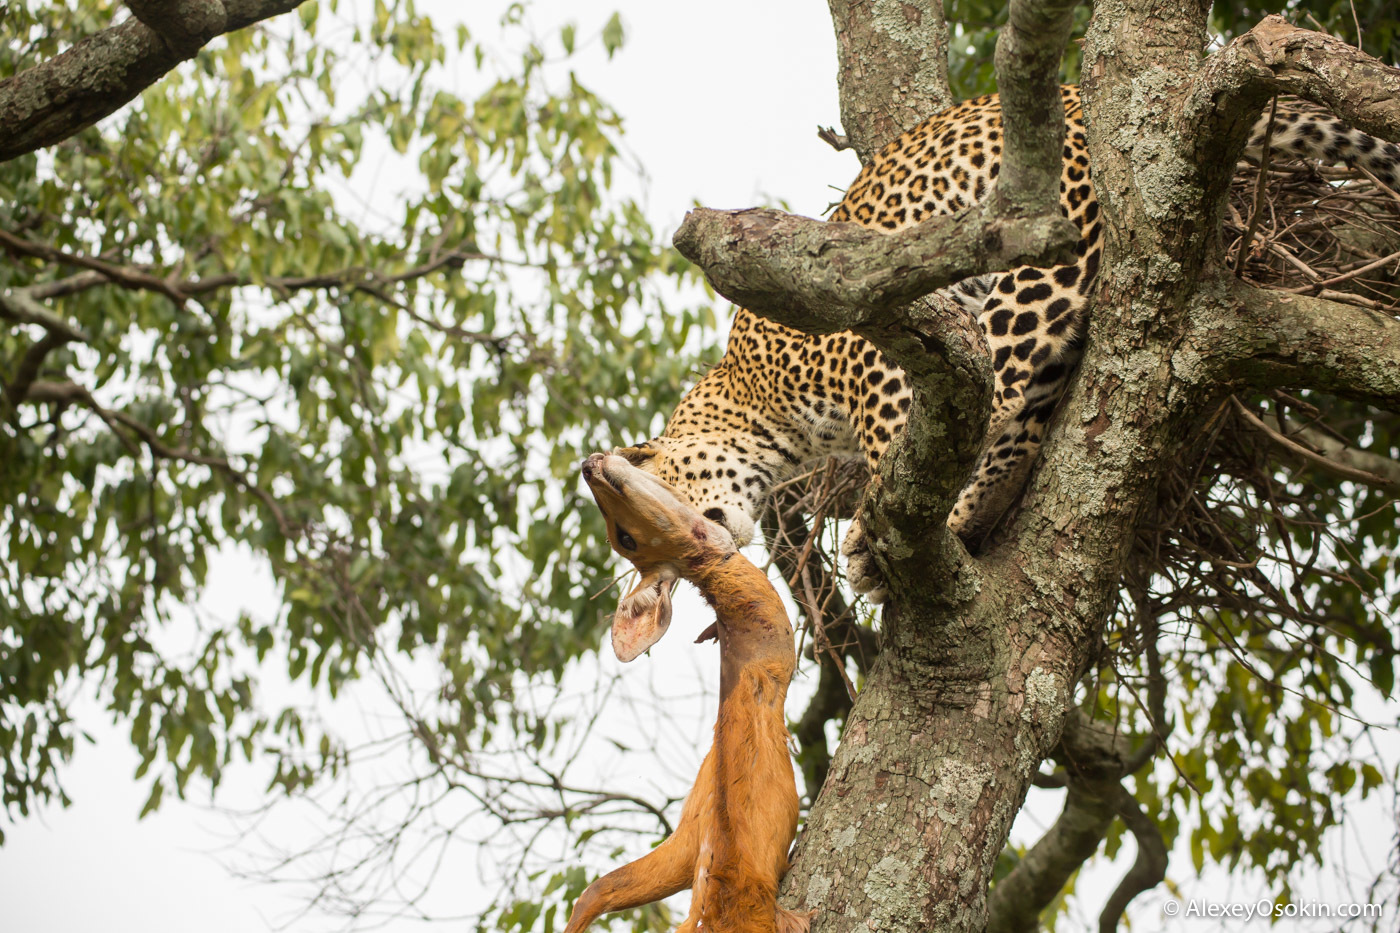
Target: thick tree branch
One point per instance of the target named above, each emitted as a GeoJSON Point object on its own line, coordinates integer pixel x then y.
{"type": "Point", "coordinates": [1028, 54]}
{"type": "Point", "coordinates": [17, 388]}
{"type": "Point", "coordinates": [1014, 905]}
{"type": "Point", "coordinates": [1276, 57]}
{"type": "Point", "coordinates": [824, 278]}
{"type": "Point", "coordinates": [1149, 868]}
{"type": "Point", "coordinates": [18, 305]}
{"type": "Point", "coordinates": [184, 25]}
{"type": "Point", "coordinates": [55, 99]}
{"type": "Point", "coordinates": [1095, 761]}
{"type": "Point", "coordinates": [71, 285]}
{"type": "Point", "coordinates": [1296, 341]}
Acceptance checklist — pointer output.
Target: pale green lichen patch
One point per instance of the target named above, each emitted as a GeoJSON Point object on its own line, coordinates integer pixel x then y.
{"type": "Point", "coordinates": [817, 888]}
{"type": "Point", "coordinates": [864, 754]}
{"type": "Point", "coordinates": [1042, 690]}
{"type": "Point", "coordinates": [892, 21]}
{"type": "Point", "coordinates": [955, 793]}
{"type": "Point", "coordinates": [1164, 177]}
{"type": "Point", "coordinates": [896, 545]}
{"type": "Point", "coordinates": [896, 893]}
{"type": "Point", "coordinates": [845, 838]}
{"type": "Point", "coordinates": [904, 24]}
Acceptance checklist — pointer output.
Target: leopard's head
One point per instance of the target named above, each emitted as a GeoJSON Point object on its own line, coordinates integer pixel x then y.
{"type": "Point", "coordinates": [723, 485]}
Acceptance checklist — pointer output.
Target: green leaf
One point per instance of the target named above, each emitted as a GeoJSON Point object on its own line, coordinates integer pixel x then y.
{"type": "Point", "coordinates": [613, 34]}
{"type": "Point", "coordinates": [153, 800]}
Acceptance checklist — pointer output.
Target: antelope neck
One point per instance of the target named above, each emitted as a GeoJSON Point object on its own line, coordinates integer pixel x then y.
{"type": "Point", "coordinates": [751, 620]}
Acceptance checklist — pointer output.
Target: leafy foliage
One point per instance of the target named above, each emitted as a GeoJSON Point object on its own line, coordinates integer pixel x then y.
{"type": "Point", "coordinates": [379, 404]}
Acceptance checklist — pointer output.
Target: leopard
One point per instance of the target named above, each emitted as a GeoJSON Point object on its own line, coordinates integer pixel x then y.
{"type": "Point", "coordinates": [780, 399]}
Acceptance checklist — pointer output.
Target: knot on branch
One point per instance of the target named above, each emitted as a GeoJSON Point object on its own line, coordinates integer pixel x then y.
{"type": "Point", "coordinates": [183, 25]}
{"type": "Point", "coordinates": [1271, 40]}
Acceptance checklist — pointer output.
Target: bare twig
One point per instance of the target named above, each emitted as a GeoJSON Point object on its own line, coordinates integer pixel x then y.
{"type": "Point", "coordinates": [1242, 256]}
{"type": "Point", "coordinates": [1311, 456]}
{"type": "Point", "coordinates": [837, 141]}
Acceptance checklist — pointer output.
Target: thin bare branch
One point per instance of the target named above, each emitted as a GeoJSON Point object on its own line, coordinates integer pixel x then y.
{"type": "Point", "coordinates": [1339, 469]}
{"type": "Point", "coordinates": [123, 425]}
{"type": "Point", "coordinates": [145, 278]}
{"type": "Point", "coordinates": [837, 141]}
{"type": "Point", "coordinates": [1363, 461]}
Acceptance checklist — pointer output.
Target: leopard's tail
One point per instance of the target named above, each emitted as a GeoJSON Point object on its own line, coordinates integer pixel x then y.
{"type": "Point", "coordinates": [1309, 134]}
{"type": "Point", "coordinates": [971, 293]}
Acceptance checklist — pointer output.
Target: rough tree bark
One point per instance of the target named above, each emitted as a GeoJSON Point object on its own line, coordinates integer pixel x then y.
{"type": "Point", "coordinates": [980, 659]}
{"type": "Point", "coordinates": [100, 74]}
{"type": "Point", "coordinates": [892, 68]}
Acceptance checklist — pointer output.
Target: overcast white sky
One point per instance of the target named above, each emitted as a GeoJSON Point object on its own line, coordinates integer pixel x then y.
{"type": "Point", "coordinates": [721, 102]}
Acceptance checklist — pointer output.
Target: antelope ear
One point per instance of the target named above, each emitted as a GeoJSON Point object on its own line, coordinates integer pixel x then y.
{"type": "Point", "coordinates": [637, 455]}
{"type": "Point", "coordinates": [643, 616]}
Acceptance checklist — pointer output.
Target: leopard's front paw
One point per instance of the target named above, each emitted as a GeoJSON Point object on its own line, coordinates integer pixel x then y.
{"type": "Point", "coordinates": [861, 571]}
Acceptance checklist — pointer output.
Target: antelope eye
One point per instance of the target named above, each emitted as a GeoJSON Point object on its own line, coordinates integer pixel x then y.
{"type": "Point", "coordinates": [626, 541]}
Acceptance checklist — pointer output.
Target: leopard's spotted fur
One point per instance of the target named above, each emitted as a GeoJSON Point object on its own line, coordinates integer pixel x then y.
{"type": "Point", "coordinates": [779, 398]}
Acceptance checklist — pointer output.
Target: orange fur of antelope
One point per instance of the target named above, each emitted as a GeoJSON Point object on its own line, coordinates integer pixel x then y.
{"type": "Point", "coordinates": [739, 820]}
